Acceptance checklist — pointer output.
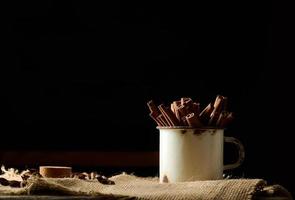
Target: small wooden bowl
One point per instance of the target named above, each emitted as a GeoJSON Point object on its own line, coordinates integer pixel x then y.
{"type": "Point", "coordinates": [55, 171]}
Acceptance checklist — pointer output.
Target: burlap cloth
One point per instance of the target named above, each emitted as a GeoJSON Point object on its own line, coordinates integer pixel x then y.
{"type": "Point", "coordinates": [132, 187]}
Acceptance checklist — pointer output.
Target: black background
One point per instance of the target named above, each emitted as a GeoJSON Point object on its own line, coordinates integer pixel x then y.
{"type": "Point", "coordinates": [85, 70]}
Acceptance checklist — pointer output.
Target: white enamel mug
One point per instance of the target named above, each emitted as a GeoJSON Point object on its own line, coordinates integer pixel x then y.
{"type": "Point", "coordinates": [190, 154]}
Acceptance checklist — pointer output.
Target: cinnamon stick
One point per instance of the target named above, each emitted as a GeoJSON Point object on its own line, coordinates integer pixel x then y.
{"type": "Point", "coordinates": [155, 113]}
{"type": "Point", "coordinates": [205, 114]}
{"type": "Point", "coordinates": [193, 120]}
{"type": "Point", "coordinates": [228, 119]}
{"type": "Point", "coordinates": [182, 110]}
{"type": "Point", "coordinates": [217, 110]}
{"type": "Point", "coordinates": [177, 103]}
{"type": "Point", "coordinates": [217, 105]}
{"type": "Point", "coordinates": [153, 108]}
{"type": "Point", "coordinates": [220, 118]}
{"type": "Point", "coordinates": [172, 107]}
{"type": "Point", "coordinates": [196, 108]}
{"type": "Point", "coordinates": [224, 104]}
{"type": "Point", "coordinates": [169, 116]}
{"type": "Point", "coordinates": [188, 103]}
{"type": "Point", "coordinates": [184, 99]}
{"type": "Point", "coordinates": [155, 118]}
{"type": "Point", "coordinates": [183, 121]}
{"type": "Point", "coordinates": [176, 110]}
{"type": "Point", "coordinates": [163, 121]}
{"type": "Point", "coordinates": [217, 101]}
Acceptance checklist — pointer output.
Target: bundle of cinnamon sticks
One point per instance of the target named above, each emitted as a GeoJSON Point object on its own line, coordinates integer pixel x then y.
{"type": "Point", "coordinates": [185, 112]}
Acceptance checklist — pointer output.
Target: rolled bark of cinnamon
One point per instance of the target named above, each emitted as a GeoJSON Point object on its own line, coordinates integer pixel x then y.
{"type": "Point", "coordinates": [220, 119]}
{"type": "Point", "coordinates": [184, 99]}
{"type": "Point", "coordinates": [217, 105]}
{"type": "Point", "coordinates": [217, 101]}
{"type": "Point", "coordinates": [182, 111]}
{"type": "Point", "coordinates": [196, 108]}
{"type": "Point", "coordinates": [205, 114]}
{"type": "Point", "coordinates": [188, 103]}
{"type": "Point", "coordinates": [184, 121]}
{"type": "Point", "coordinates": [153, 108]}
{"type": "Point", "coordinates": [176, 110]}
{"type": "Point", "coordinates": [169, 116]}
{"type": "Point", "coordinates": [155, 118]}
{"type": "Point", "coordinates": [217, 110]}
{"type": "Point", "coordinates": [224, 104]}
{"type": "Point", "coordinates": [172, 108]}
{"type": "Point", "coordinates": [155, 113]}
{"type": "Point", "coordinates": [193, 120]}
{"type": "Point", "coordinates": [213, 118]}
{"type": "Point", "coordinates": [228, 119]}
{"type": "Point", "coordinates": [163, 121]}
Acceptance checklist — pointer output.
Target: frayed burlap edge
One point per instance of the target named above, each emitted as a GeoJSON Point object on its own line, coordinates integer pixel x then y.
{"type": "Point", "coordinates": [41, 186]}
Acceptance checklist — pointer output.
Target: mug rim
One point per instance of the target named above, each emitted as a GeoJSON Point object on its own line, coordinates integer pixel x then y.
{"type": "Point", "coordinates": [189, 128]}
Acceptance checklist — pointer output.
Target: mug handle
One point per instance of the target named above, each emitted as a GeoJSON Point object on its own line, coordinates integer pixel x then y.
{"type": "Point", "coordinates": [241, 151]}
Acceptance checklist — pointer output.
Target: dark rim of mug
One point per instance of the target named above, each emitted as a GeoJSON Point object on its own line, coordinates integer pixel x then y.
{"type": "Point", "coordinates": [189, 128]}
